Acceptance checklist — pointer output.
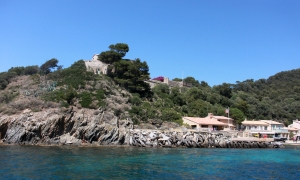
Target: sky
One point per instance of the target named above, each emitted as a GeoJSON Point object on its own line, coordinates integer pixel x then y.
{"type": "Point", "coordinates": [214, 41]}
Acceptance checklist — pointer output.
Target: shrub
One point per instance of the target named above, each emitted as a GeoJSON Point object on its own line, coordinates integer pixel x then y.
{"type": "Point", "coordinates": [171, 115]}
{"type": "Point", "coordinates": [5, 78]}
{"type": "Point", "coordinates": [135, 100]}
{"type": "Point", "coordinates": [8, 96]}
{"type": "Point", "coordinates": [35, 78]}
{"type": "Point", "coordinates": [30, 70]}
{"type": "Point", "coordinates": [62, 94]}
{"type": "Point", "coordinates": [76, 75]}
{"type": "Point", "coordinates": [100, 97]}
{"type": "Point", "coordinates": [86, 99]}
{"type": "Point", "coordinates": [63, 104]}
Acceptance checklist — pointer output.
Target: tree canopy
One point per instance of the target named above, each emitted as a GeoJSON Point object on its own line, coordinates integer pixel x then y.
{"type": "Point", "coordinates": [47, 67]}
{"type": "Point", "coordinates": [131, 74]}
{"type": "Point", "coordinates": [115, 53]}
{"type": "Point", "coordinates": [120, 48]}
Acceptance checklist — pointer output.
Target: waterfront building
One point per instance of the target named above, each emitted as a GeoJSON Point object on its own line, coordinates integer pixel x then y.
{"type": "Point", "coordinates": [296, 124]}
{"type": "Point", "coordinates": [209, 123]}
{"type": "Point", "coordinates": [265, 128]}
{"type": "Point", "coordinates": [292, 131]}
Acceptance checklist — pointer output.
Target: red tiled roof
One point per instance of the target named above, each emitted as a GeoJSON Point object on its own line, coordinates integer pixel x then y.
{"type": "Point", "coordinates": [222, 117]}
{"type": "Point", "coordinates": [254, 123]}
{"type": "Point", "coordinates": [206, 121]}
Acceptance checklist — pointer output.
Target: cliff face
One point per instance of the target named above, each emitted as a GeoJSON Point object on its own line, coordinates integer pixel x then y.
{"type": "Point", "coordinates": [97, 127]}
{"type": "Point", "coordinates": [65, 126]}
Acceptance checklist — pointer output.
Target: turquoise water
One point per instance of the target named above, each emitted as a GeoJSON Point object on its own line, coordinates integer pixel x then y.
{"type": "Point", "coordinates": [65, 162]}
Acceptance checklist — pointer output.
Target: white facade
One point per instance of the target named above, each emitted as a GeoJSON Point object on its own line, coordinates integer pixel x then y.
{"type": "Point", "coordinates": [256, 127]}
{"type": "Point", "coordinates": [296, 124]}
{"type": "Point", "coordinates": [96, 66]}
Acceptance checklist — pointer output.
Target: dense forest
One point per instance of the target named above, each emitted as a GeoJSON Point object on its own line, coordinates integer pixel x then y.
{"type": "Point", "coordinates": [276, 98]}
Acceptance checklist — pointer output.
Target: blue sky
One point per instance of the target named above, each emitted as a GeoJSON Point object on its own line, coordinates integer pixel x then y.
{"type": "Point", "coordinates": [212, 41]}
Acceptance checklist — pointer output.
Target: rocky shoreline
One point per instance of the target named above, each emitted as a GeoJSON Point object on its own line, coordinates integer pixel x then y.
{"type": "Point", "coordinates": [191, 139]}
{"type": "Point", "coordinates": [86, 127]}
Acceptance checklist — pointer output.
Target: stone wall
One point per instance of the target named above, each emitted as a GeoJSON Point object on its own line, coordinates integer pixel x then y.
{"type": "Point", "coordinates": [153, 83]}
{"type": "Point", "coordinates": [96, 66]}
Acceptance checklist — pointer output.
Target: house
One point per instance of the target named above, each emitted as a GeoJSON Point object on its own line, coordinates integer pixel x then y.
{"type": "Point", "coordinates": [294, 128]}
{"type": "Point", "coordinates": [96, 66]}
{"type": "Point", "coordinates": [254, 128]}
{"type": "Point", "coordinates": [257, 126]}
{"type": "Point", "coordinates": [269, 128]}
{"type": "Point", "coordinates": [277, 128]}
{"type": "Point", "coordinates": [296, 124]}
{"type": "Point", "coordinates": [225, 120]}
{"type": "Point", "coordinates": [291, 132]}
{"type": "Point", "coordinates": [210, 122]}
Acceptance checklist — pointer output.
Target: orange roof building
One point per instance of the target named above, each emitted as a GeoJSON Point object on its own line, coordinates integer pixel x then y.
{"type": "Point", "coordinates": [210, 122]}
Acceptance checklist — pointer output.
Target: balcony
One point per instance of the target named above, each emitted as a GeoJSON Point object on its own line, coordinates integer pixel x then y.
{"type": "Point", "coordinates": [267, 131]}
{"type": "Point", "coordinates": [260, 131]}
{"type": "Point", "coordinates": [280, 130]}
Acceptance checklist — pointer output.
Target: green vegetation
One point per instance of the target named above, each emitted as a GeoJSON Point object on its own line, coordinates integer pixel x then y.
{"type": "Point", "coordinates": [75, 76]}
{"type": "Point", "coordinates": [115, 54]}
{"type": "Point", "coordinates": [76, 83]}
{"type": "Point", "coordinates": [131, 75]}
{"type": "Point", "coordinates": [277, 97]}
{"type": "Point", "coordinates": [47, 67]}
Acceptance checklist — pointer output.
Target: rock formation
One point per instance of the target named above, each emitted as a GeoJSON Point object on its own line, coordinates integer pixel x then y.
{"type": "Point", "coordinates": [189, 139]}
{"type": "Point", "coordinates": [64, 126]}
{"type": "Point", "coordinates": [97, 127]}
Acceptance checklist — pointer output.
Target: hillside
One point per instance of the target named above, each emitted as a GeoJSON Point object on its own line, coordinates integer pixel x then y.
{"type": "Point", "coordinates": [277, 97]}
{"type": "Point", "coordinates": [73, 86]}
{"type": "Point", "coordinates": [123, 92]}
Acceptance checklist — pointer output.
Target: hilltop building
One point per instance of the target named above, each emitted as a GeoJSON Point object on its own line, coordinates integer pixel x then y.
{"type": "Point", "coordinates": [96, 66]}
{"type": "Point", "coordinates": [167, 81]}
{"type": "Point", "coordinates": [99, 67]}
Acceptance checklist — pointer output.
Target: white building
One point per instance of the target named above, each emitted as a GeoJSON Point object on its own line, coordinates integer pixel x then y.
{"type": "Point", "coordinates": [296, 124]}
{"type": "Point", "coordinates": [96, 66]}
{"type": "Point", "coordinates": [268, 127]}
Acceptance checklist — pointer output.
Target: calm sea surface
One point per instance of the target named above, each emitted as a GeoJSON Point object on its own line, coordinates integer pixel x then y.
{"type": "Point", "coordinates": [31, 162]}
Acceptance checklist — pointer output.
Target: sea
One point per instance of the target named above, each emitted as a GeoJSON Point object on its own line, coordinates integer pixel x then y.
{"type": "Point", "coordinates": [69, 162]}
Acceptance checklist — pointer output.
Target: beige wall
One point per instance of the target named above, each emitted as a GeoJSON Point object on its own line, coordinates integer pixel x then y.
{"type": "Point", "coordinates": [252, 127]}
{"type": "Point", "coordinates": [191, 123]}
{"type": "Point", "coordinates": [209, 127]}
{"type": "Point", "coordinates": [226, 121]}
{"type": "Point", "coordinates": [153, 83]}
{"type": "Point", "coordinates": [96, 66]}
